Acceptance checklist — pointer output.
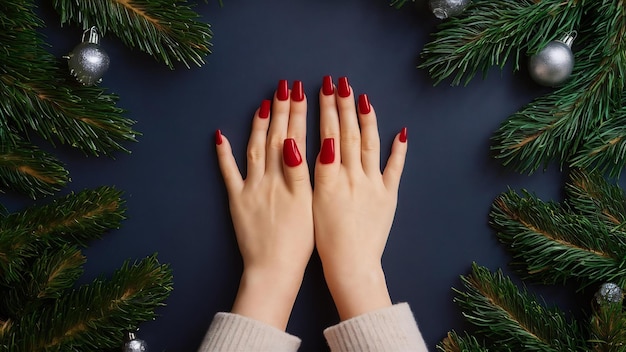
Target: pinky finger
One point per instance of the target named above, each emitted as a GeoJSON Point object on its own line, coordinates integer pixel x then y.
{"type": "Point", "coordinates": [228, 165]}
{"type": "Point", "coordinates": [395, 163]}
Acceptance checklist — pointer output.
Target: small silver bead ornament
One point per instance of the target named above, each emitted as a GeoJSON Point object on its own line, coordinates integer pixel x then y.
{"type": "Point", "coordinates": [88, 61]}
{"type": "Point", "coordinates": [133, 344]}
{"type": "Point", "coordinates": [553, 65]}
{"type": "Point", "coordinates": [609, 293]}
{"type": "Point", "coordinates": [443, 9]}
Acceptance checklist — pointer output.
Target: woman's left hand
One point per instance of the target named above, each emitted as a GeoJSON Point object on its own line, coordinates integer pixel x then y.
{"type": "Point", "coordinates": [271, 208]}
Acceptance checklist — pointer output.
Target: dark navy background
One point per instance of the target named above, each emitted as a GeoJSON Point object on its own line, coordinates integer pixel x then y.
{"type": "Point", "coordinates": [177, 205]}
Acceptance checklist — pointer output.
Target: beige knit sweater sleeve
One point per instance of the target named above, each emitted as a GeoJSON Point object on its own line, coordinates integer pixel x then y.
{"type": "Point", "coordinates": [391, 329]}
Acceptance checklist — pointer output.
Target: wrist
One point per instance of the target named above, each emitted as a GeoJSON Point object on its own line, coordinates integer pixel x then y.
{"type": "Point", "coordinates": [358, 291]}
{"type": "Point", "coordinates": [267, 295]}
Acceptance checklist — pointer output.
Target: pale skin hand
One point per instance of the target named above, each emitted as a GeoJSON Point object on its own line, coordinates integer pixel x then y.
{"type": "Point", "coordinates": [354, 206]}
{"type": "Point", "coordinates": [271, 212]}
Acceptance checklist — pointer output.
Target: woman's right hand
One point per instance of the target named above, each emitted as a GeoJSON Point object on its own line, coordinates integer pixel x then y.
{"type": "Point", "coordinates": [353, 202]}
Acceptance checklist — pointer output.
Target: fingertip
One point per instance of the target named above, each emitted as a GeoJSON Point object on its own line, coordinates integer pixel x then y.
{"type": "Point", "coordinates": [328, 88]}
{"type": "Point", "coordinates": [291, 154]}
{"type": "Point", "coordinates": [403, 135]}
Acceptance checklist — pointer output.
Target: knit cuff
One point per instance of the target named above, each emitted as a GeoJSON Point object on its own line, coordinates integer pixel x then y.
{"type": "Point", "coordinates": [390, 329]}
{"type": "Point", "coordinates": [232, 332]}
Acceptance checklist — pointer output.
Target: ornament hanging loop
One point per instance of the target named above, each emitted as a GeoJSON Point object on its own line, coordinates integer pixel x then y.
{"type": "Point", "coordinates": [94, 37]}
{"type": "Point", "coordinates": [569, 38]}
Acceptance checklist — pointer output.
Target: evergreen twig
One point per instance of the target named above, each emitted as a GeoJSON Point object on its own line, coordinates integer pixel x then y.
{"type": "Point", "coordinates": [457, 343]}
{"type": "Point", "coordinates": [552, 244]}
{"type": "Point", "coordinates": [608, 328]}
{"type": "Point", "coordinates": [512, 318]}
{"type": "Point", "coordinates": [74, 219]}
{"type": "Point", "coordinates": [167, 30]}
{"type": "Point", "coordinates": [489, 32]}
{"type": "Point", "coordinates": [108, 309]}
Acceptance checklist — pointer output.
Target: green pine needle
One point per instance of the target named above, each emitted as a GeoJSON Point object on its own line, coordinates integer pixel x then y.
{"type": "Point", "coordinates": [167, 30]}
{"type": "Point", "coordinates": [513, 318]}
{"type": "Point", "coordinates": [456, 343]}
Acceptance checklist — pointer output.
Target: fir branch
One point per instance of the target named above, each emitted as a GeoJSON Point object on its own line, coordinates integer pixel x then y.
{"type": "Point", "coordinates": [455, 343]}
{"type": "Point", "coordinates": [555, 127]}
{"type": "Point", "coordinates": [54, 271]}
{"type": "Point", "coordinates": [167, 30]}
{"type": "Point", "coordinates": [489, 32]}
{"type": "Point", "coordinates": [513, 318]}
{"type": "Point", "coordinates": [592, 196]}
{"type": "Point", "coordinates": [604, 148]}
{"type": "Point", "coordinates": [36, 95]}
{"type": "Point", "coordinates": [552, 245]}
{"type": "Point", "coordinates": [108, 309]}
{"type": "Point", "coordinates": [74, 219]}
{"type": "Point", "coordinates": [608, 328]}
{"type": "Point", "coordinates": [27, 169]}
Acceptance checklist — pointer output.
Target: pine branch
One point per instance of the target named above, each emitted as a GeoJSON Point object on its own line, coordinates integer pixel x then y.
{"type": "Point", "coordinates": [489, 33]}
{"type": "Point", "coordinates": [74, 219]}
{"type": "Point", "coordinates": [54, 271]}
{"type": "Point", "coordinates": [592, 196]}
{"type": "Point", "coordinates": [27, 169]}
{"type": "Point", "coordinates": [455, 343]}
{"type": "Point", "coordinates": [165, 29]}
{"type": "Point", "coordinates": [557, 126]}
{"type": "Point", "coordinates": [604, 148]}
{"type": "Point", "coordinates": [108, 308]}
{"type": "Point", "coordinates": [36, 95]}
{"type": "Point", "coordinates": [513, 319]}
{"type": "Point", "coordinates": [608, 328]}
{"type": "Point", "coordinates": [551, 244]}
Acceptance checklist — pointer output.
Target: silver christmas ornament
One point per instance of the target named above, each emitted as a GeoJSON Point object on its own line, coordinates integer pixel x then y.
{"type": "Point", "coordinates": [88, 62]}
{"type": "Point", "coordinates": [609, 293]}
{"type": "Point", "coordinates": [443, 9]}
{"type": "Point", "coordinates": [553, 65]}
{"type": "Point", "coordinates": [134, 344]}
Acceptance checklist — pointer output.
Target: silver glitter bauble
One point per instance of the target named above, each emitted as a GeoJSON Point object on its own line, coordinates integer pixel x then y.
{"type": "Point", "coordinates": [553, 65]}
{"type": "Point", "coordinates": [609, 293]}
{"type": "Point", "coordinates": [88, 62]}
{"type": "Point", "coordinates": [134, 344]}
{"type": "Point", "coordinates": [443, 9]}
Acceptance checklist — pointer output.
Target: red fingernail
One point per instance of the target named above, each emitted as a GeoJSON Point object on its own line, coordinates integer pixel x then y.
{"type": "Point", "coordinates": [297, 93]}
{"type": "Point", "coordinates": [327, 86]}
{"type": "Point", "coordinates": [403, 135]}
{"type": "Point", "coordinates": [291, 154]}
{"type": "Point", "coordinates": [264, 110]}
{"type": "Point", "coordinates": [218, 137]}
{"type": "Point", "coordinates": [327, 154]}
{"type": "Point", "coordinates": [344, 87]}
{"type": "Point", "coordinates": [364, 104]}
{"type": "Point", "coordinates": [282, 93]}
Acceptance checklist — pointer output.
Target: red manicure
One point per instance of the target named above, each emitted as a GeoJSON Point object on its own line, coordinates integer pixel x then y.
{"type": "Point", "coordinates": [297, 93]}
{"type": "Point", "coordinates": [364, 104]}
{"type": "Point", "coordinates": [291, 154]}
{"type": "Point", "coordinates": [327, 154]}
{"type": "Point", "coordinates": [218, 137]}
{"type": "Point", "coordinates": [344, 87]}
{"type": "Point", "coordinates": [403, 135]}
{"type": "Point", "coordinates": [264, 110]}
{"type": "Point", "coordinates": [282, 93]}
{"type": "Point", "coordinates": [327, 86]}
